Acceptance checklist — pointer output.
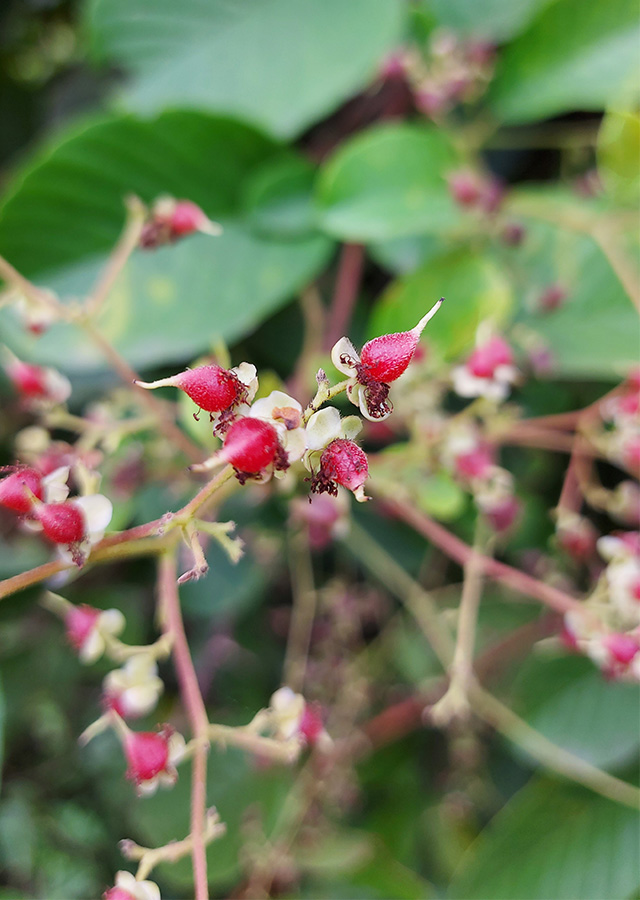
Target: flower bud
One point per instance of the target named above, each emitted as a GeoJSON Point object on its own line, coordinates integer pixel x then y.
{"type": "Point", "coordinates": [171, 219]}
{"type": "Point", "coordinates": [576, 536]}
{"type": "Point", "coordinates": [18, 489]}
{"type": "Point", "coordinates": [88, 629]}
{"type": "Point", "coordinates": [62, 523]}
{"type": "Point", "coordinates": [35, 384]}
{"type": "Point", "coordinates": [502, 513]}
{"type": "Point", "coordinates": [151, 758]}
{"type": "Point", "coordinates": [488, 372]}
{"type": "Point", "coordinates": [127, 887]}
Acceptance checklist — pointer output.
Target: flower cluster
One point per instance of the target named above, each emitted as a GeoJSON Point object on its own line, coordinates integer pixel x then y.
{"type": "Point", "coordinates": [612, 637]}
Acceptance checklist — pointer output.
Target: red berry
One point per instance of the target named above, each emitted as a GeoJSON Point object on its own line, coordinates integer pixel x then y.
{"type": "Point", "coordinates": [623, 647]}
{"type": "Point", "coordinates": [79, 622]}
{"type": "Point", "coordinates": [251, 445]}
{"type": "Point", "coordinates": [117, 893]}
{"type": "Point", "coordinates": [485, 359]}
{"type": "Point", "coordinates": [147, 754]}
{"type": "Point", "coordinates": [502, 514]}
{"type": "Point", "coordinates": [212, 388]}
{"type": "Point", "coordinates": [385, 358]}
{"type": "Point", "coordinates": [62, 523]}
{"type": "Point", "coordinates": [311, 725]}
{"type": "Point", "coordinates": [29, 380]}
{"type": "Point", "coordinates": [475, 463]}
{"type": "Point", "coordinates": [344, 463]}
{"type": "Point", "coordinates": [186, 218]}
{"type": "Point", "coordinates": [16, 490]}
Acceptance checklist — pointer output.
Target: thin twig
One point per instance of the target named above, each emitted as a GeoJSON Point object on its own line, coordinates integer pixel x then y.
{"type": "Point", "coordinates": [169, 604]}
{"type": "Point", "coordinates": [348, 280]}
{"type": "Point", "coordinates": [118, 258]}
{"type": "Point", "coordinates": [302, 611]}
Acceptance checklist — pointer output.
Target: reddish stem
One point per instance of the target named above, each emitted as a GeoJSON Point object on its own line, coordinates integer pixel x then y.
{"type": "Point", "coordinates": [348, 280]}
{"type": "Point", "coordinates": [457, 550]}
{"type": "Point", "coordinates": [169, 601]}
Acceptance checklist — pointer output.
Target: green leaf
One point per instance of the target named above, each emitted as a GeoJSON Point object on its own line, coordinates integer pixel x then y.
{"type": "Point", "coordinates": [388, 182]}
{"type": "Point", "coordinates": [282, 64]}
{"type": "Point", "coordinates": [64, 213]}
{"type": "Point", "coordinates": [553, 840]}
{"type": "Point", "coordinates": [594, 333]}
{"type": "Point", "coordinates": [496, 20]}
{"type": "Point", "coordinates": [576, 55]}
{"type": "Point", "coordinates": [618, 154]}
{"type": "Point", "coordinates": [474, 288]}
{"type": "Point", "coordinates": [569, 701]}
{"type": "Point", "coordinates": [278, 198]}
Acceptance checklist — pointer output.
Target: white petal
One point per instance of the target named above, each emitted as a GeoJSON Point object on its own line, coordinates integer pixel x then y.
{"type": "Point", "coordinates": [177, 744]}
{"type": "Point", "coordinates": [322, 428]}
{"type": "Point", "coordinates": [354, 389]}
{"type": "Point", "coordinates": [295, 444]}
{"type": "Point", "coordinates": [246, 373]}
{"type": "Point", "coordinates": [92, 648]}
{"type": "Point", "coordinates": [351, 427]}
{"type": "Point", "coordinates": [147, 890]}
{"type": "Point", "coordinates": [111, 621]}
{"type": "Point", "coordinates": [97, 511]}
{"type": "Point", "coordinates": [263, 408]}
{"type": "Point", "coordinates": [139, 700]}
{"type": "Point", "coordinates": [56, 489]}
{"type": "Point", "coordinates": [345, 348]}
{"type": "Point", "coordinates": [58, 386]}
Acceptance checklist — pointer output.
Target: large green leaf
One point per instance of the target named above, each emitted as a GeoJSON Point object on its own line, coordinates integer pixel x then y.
{"type": "Point", "coordinates": [496, 20]}
{"type": "Point", "coordinates": [569, 701]}
{"type": "Point", "coordinates": [553, 840]}
{"type": "Point", "coordinates": [576, 55]}
{"type": "Point", "coordinates": [618, 154]}
{"type": "Point", "coordinates": [388, 182]}
{"type": "Point", "coordinates": [474, 288]}
{"type": "Point", "coordinates": [64, 212]}
{"type": "Point", "coordinates": [594, 332]}
{"type": "Point", "coordinates": [282, 64]}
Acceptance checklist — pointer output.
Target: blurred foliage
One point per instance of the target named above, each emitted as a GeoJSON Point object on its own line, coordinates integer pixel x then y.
{"type": "Point", "coordinates": [277, 118]}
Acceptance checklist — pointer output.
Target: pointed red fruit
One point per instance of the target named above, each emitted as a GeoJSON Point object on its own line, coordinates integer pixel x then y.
{"type": "Point", "coordinates": [486, 358]}
{"type": "Point", "coordinates": [385, 358]}
{"type": "Point", "coordinates": [62, 523]}
{"type": "Point", "coordinates": [16, 490]}
{"type": "Point", "coordinates": [211, 387]}
{"type": "Point", "coordinates": [28, 380]}
{"type": "Point", "coordinates": [623, 647]}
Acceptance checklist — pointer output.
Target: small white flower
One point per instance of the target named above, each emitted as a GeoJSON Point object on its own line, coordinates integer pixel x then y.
{"type": "Point", "coordinates": [133, 690]}
{"type": "Point", "coordinates": [137, 890]}
{"type": "Point", "coordinates": [623, 580]}
{"type": "Point", "coordinates": [287, 709]}
{"type": "Point", "coordinates": [285, 413]}
{"type": "Point", "coordinates": [97, 511]}
{"type": "Point", "coordinates": [88, 630]}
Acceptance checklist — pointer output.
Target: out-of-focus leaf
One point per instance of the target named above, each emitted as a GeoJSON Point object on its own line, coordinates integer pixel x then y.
{"type": "Point", "coordinates": [569, 701]}
{"type": "Point", "coordinates": [496, 20]}
{"type": "Point", "coordinates": [235, 785]}
{"type": "Point", "coordinates": [594, 332]}
{"type": "Point", "coordinates": [278, 198]}
{"type": "Point", "coordinates": [64, 213]}
{"type": "Point", "coordinates": [403, 255]}
{"type": "Point", "coordinates": [574, 56]}
{"type": "Point", "coordinates": [388, 182]}
{"type": "Point", "coordinates": [553, 840]}
{"type": "Point", "coordinates": [474, 287]}
{"type": "Point", "coordinates": [280, 63]}
{"type": "Point", "coordinates": [618, 155]}
{"type": "Point", "coordinates": [441, 496]}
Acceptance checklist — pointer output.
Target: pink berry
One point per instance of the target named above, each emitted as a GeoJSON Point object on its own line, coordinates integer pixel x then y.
{"type": "Point", "coordinates": [62, 523]}
{"type": "Point", "coordinates": [475, 463]}
{"type": "Point", "coordinates": [212, 388]}
{"type": "Point", "coordinates": [311, 725]}
{"type": "Point", "coordinates": [28, 380]}
{"type": "Point", "coordinates": [251, 445]}
{"type": "Point", "coordinates": [386, 358]}
{"type": "Point", "coordinates": [186, 218]}
{"type": "Point", "coordinates": [623, 647]}
{"type": "Point", "coordinates": [578, 540]}
{"type": "Point", "coordinates": [486, 358]}
{"type": "Point", "coordinates": [552, 298]}
{"type": "Point", "coordinates": [502, 514]}
{"type": "Point", "coordinates": [16, 490]}
{"type": "Point", "coordinates": [117, 893]}
{"type": "Point", "coordinates": [465, 188]}
{"type": "Point", "coordinates": [147, 754]}
{"type": "Point", "coordinates": [344, 463]}
{"type": "Point", "coordinates": [79, 623]}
